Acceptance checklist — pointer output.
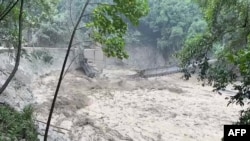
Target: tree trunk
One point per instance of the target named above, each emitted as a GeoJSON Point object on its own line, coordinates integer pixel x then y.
{"type": "Point", "coordinates": [62, 70]}
{"type": "Point", "coordinates": [18, 55]}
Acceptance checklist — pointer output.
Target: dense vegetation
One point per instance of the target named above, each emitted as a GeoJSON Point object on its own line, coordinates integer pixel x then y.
{"type": "Point", "coordinates": [169, 23]}
{"type": "Point", "coordinates": [227, 41]}
{"type": "Point", "coordinates": [15, 125]}
{"type": "Point", "coordinates": [36, 14]}
{"type": "Point", "coordinates": [166, 27]}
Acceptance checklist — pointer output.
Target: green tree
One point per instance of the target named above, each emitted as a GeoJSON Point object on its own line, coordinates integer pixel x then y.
{"type": "Point", "coordinates": [170, 22]}
{"type": "Point", "coordinates": [8, 24]}
{"type": "Point", "coordinates": [34, 13]}
{"type": "Point", "coordinates": [229, 28]}
{"type": "Point", "coordinates": [12, 17]}
{"type": "Point", "coordinates": [47, 24]}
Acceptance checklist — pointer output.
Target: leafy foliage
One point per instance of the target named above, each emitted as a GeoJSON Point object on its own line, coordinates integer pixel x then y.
{"type": "Point", "coordinates": [171, 22]}
{"type": "Point", "coordinates": [229, 28]}
{"type": "Point", "coordinates": [17, 126]}
{"type": "Point", "coordinates": [34, 13]}
{"type": "Point", "coordinates": [49, 22]}
{"type": "Point", "coordinates": [108, 23]}
{"type": "Point", "coordinates": [8, 30]}
{"type": "Point", "coordinates": [244, 118]}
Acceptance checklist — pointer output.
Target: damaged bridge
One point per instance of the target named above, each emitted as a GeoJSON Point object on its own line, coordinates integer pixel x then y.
{"type": "Point", "coordinates": [154, 72]}
{"type": "Point", "coordinates": [161, 71]}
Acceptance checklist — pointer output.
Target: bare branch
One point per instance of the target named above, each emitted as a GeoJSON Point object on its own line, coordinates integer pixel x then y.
{"type": "Point", "coordinates": [7, 10]}
{"type": "Point", "coordinates": [72, 61]}
{"type": "Point", "coordinates": [53, 125]}
{"type": "Point", "coordinates": [7, 7]}
{"type": "Point", "coordinates": [81, 27]}
{"type": "Point", "coordinates": [70, 13]}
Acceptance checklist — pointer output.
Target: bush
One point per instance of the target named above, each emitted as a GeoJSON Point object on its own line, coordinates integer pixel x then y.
{"type": "Point", "coordinates": [17, 125]}
{"type": "Point", "coordinates": [42, 55]}
{"type": "Point", "coordinates": [244, 118]}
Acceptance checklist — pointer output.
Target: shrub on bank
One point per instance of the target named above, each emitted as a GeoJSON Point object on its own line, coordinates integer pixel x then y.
{"type": "Point", "coordinates": [17, 125]}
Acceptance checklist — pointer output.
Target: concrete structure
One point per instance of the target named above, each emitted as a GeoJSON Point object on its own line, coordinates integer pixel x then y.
{"type": "Point", "coordinates": [94, 56]}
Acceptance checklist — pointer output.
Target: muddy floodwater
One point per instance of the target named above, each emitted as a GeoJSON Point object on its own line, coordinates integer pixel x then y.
{"type": "Point", "coordinates": [117, 107]}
